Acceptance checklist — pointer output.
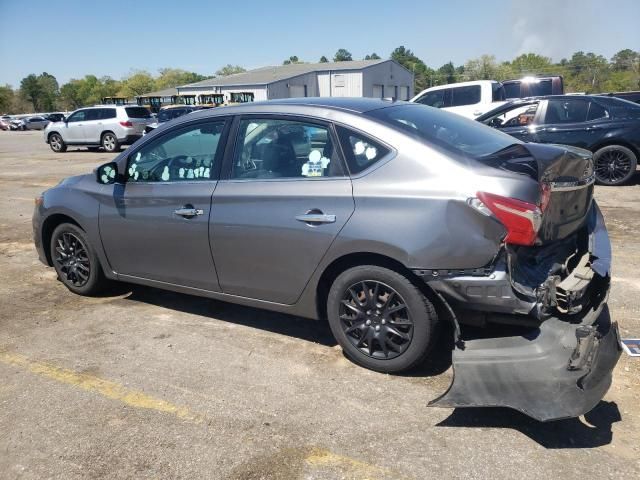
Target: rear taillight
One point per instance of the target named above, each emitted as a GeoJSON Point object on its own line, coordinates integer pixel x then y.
{"type": "Point", "coordinates": [521, 219]}
{"type": "Point", "coordinates": [126, 124]}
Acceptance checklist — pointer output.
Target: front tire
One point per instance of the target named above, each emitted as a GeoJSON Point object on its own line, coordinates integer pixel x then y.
{"type": "Point", "coordinates": [110, 142]}
{"type": "Point", "coordinates": [614, 165]}
{"type": "Point", "coordinates": [380, 319]}
{"type": "Point", "coordinates": [75, 260]}
{"type": "Point", "coordinates": [57, 143]}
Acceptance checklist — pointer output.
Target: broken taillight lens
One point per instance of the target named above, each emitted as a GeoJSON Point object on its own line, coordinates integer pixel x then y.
{"type": "Point", "coordinates": [521, 219]}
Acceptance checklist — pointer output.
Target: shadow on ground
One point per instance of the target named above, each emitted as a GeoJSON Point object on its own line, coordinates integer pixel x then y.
{"type": "Point", "coordinates": [305, 329]}
{"type": "Point", "coordinates": [594, 432]}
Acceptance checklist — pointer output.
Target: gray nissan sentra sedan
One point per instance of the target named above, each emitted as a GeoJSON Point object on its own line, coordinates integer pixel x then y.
{"type": "Point", "coordinates": [386, 218]}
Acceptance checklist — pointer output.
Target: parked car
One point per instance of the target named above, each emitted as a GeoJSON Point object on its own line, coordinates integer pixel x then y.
{"type": "Point", "coordinates": [107, 126]}
{"type": "Point", "coordinates": [386, 218]}
{"type": "Point", "coordinates": [170, 112]}
{"type": "Point", "coordinates": [55, 117]}
{"type": "Point", "coordinates": [531, 86]}
{"type": "Point", "coordinates": [29, 123]}
{"type": "Point", "coordinates": [469, 99]}
{"type": "Point", "coordinates": [5, 123]}
{"type": "Point", "coordinates": [607, 126]}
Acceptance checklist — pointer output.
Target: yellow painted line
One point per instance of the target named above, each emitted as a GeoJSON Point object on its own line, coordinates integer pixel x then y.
{"type": "Point", "coordinates": [319, 457]}
{"type": "Point", "coordinates": [91, 383]}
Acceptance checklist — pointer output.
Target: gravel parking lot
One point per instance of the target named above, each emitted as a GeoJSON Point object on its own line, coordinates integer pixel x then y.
{"type": "Point", "coordinates": [142, 383]}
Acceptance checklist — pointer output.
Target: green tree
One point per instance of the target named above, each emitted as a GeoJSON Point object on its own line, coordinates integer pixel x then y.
{"type": "Point", "coordinates": [342, 55]}
{"type": "Point", "coordinates": [6, 99]}
{"type": "Point", "coordinates": [446, 74]}
{"type": "Point", "coordinates": [173, 77]}
{"type": "Point", "coordinates": [625, 60]}
{"type": "Point", "coordinates": [373, 56]}
{"type": "Point", "coordinates": [423, 75]}
{"type": "Point", "coordinates": [50, 91]}
{"type": "Point", "coordinates": [31, 91]}
{"type": "Point", "coordinates": [138, 83]}
{"type": "Point", "coordinates": [291, 59]}
{"type": "Point", "coordinates": [585, 72]}
{"type": "Point", "coordinates": [230, 70]}
{"type": "Point", "coordinates": [530, 64]}
{"type": "Point", "coordinates": [323, 59]}
{"type": "Point", "coordinates": [484, 67]}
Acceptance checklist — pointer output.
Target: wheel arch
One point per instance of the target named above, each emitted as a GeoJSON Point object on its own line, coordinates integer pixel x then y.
{"type": "Point", "coordinates": [51, 133]}
{"type": "Point", "coordinates": [340, 264]}
{"type": "Point", "coordinates": [49, 225]}
{"type": "Point", "coordinates": [610, 142]}
{"type": "Point", "coordinates": [104, 132]}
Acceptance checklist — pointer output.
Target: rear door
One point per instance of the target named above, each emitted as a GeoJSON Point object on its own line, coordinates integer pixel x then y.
{"type": "Point", "coordinates": [156, 225]}
{"type": "Point", "coordinates": [285, 198]}
{"type": "Point", "coordinates": [466, 101]}
{"type": "Point", "coordinates": [93, 125]}
{"type": "Point", "coordinates": [565, 122]}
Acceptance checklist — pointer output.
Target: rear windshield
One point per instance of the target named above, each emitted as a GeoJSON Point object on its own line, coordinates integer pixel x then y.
{"type": "Point", "coordinates": [452, 132]}
{"type": "Point", "coordinates": [137, 112]}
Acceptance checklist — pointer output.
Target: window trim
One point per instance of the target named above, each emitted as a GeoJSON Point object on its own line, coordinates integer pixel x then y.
{"type": "Point", "coordinates": [232, 147]}
{"type": "Point", "coordinates": [218, 161]}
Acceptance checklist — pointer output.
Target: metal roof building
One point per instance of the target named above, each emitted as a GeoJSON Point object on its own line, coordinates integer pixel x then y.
{"type": "Point", "coordinates": [363, 78]}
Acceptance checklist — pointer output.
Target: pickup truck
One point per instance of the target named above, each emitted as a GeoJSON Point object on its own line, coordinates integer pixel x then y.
{"type": "Point", "coordinates": [469, 99]}
{"type": "Point", "coordinates": [533, 87]}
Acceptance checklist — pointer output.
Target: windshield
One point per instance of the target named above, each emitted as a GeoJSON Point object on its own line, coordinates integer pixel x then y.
{"type": "Point", "coordinates": [450, 131]}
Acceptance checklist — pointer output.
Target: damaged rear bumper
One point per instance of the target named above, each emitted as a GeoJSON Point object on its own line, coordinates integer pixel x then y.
{"type": "Point", "coordinates": [558, 370]}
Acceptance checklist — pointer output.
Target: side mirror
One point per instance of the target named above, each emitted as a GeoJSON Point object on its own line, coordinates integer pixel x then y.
{"type": "Point", "coordinates": [107, 174]}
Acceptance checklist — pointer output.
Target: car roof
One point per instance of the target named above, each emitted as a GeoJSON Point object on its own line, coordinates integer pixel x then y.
{"type": "Point", "coordinates": [352, 104]}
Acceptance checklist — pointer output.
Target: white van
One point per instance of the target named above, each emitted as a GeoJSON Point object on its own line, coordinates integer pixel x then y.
{"type": "Point", "coordinates": [469, 99]}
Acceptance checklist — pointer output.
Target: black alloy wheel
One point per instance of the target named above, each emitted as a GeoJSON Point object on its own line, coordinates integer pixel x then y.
{"type": "Point", "coordinates": [376, 320]}
{"type": "Point", "coordinates": [72, 259]}
{"type": "Point", "coordinates": [614, 165]}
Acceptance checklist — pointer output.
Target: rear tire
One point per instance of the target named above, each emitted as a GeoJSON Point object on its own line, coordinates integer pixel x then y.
{"type": "Point", "coordinates": [380, 319]}
{"type": "Point", "coordinates": [110, 142]}
{"type": "Point", "coordinates": [614, 165]}
{"type": "Point", "coordinates": [57, 143]}
{"type": "Point", "coordinates": [75, 260]}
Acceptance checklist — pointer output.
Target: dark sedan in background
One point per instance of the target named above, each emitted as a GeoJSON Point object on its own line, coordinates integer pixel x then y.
{"type": "Point", "coordinates": [607, 126]}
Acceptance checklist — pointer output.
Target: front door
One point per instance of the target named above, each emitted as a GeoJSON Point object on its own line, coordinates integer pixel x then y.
{"type": "Point", "coordinates": [74, 127]}
{"type": "Point", "coordinates": [286, 198]}
{"type": "Point", "coordinates": [156, 225]}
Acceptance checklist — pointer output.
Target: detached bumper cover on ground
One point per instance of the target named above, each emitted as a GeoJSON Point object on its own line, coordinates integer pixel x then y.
{"type": "Point", "coordinates": [561, 371]}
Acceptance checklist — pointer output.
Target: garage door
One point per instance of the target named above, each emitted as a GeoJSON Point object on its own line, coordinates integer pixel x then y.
{"type": "Point", "coordinates": [297, 91]}
{"type": "Point", "coordinates": [378, 91]}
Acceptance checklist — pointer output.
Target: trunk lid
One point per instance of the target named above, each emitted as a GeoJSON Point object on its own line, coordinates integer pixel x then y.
{"type": "Point", "coordinates": [565, 178]}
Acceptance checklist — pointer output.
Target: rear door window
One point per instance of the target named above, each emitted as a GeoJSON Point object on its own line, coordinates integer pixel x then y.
{"type": "Point", "coordinates": [107, 113]}
{"type": "Point", "coordinates": [269, 148]}
{"type": "Point", "coordinates": [566, 110]}
{"type": "Point", "coordinates": [93, 114]}
{"type": "Point", "coordinates": [433, 99]}
{"type": "Point", "coordinates": [465, 95]}
{"type": "Point", "coordinates": [597, 111]}
{"type": "Point", "coordinates": [137, 112]}
{"type": "Point", "coordinates": [359, 150]}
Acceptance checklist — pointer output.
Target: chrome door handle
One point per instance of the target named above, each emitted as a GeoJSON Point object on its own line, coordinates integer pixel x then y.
{"type": "Point", "coordinates": [316, 218]}
{"type": "Point", "coordinates": [188, 212]}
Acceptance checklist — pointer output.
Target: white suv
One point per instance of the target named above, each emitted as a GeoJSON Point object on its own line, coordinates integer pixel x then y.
{"type": "Point", "coordinates": [469, 99]}
{"type": "Point", "coordinates": [106, 126]}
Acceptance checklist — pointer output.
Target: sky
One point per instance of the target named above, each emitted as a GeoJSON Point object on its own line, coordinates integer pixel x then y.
{"type": "Point", "coordinates": [71, 38]}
